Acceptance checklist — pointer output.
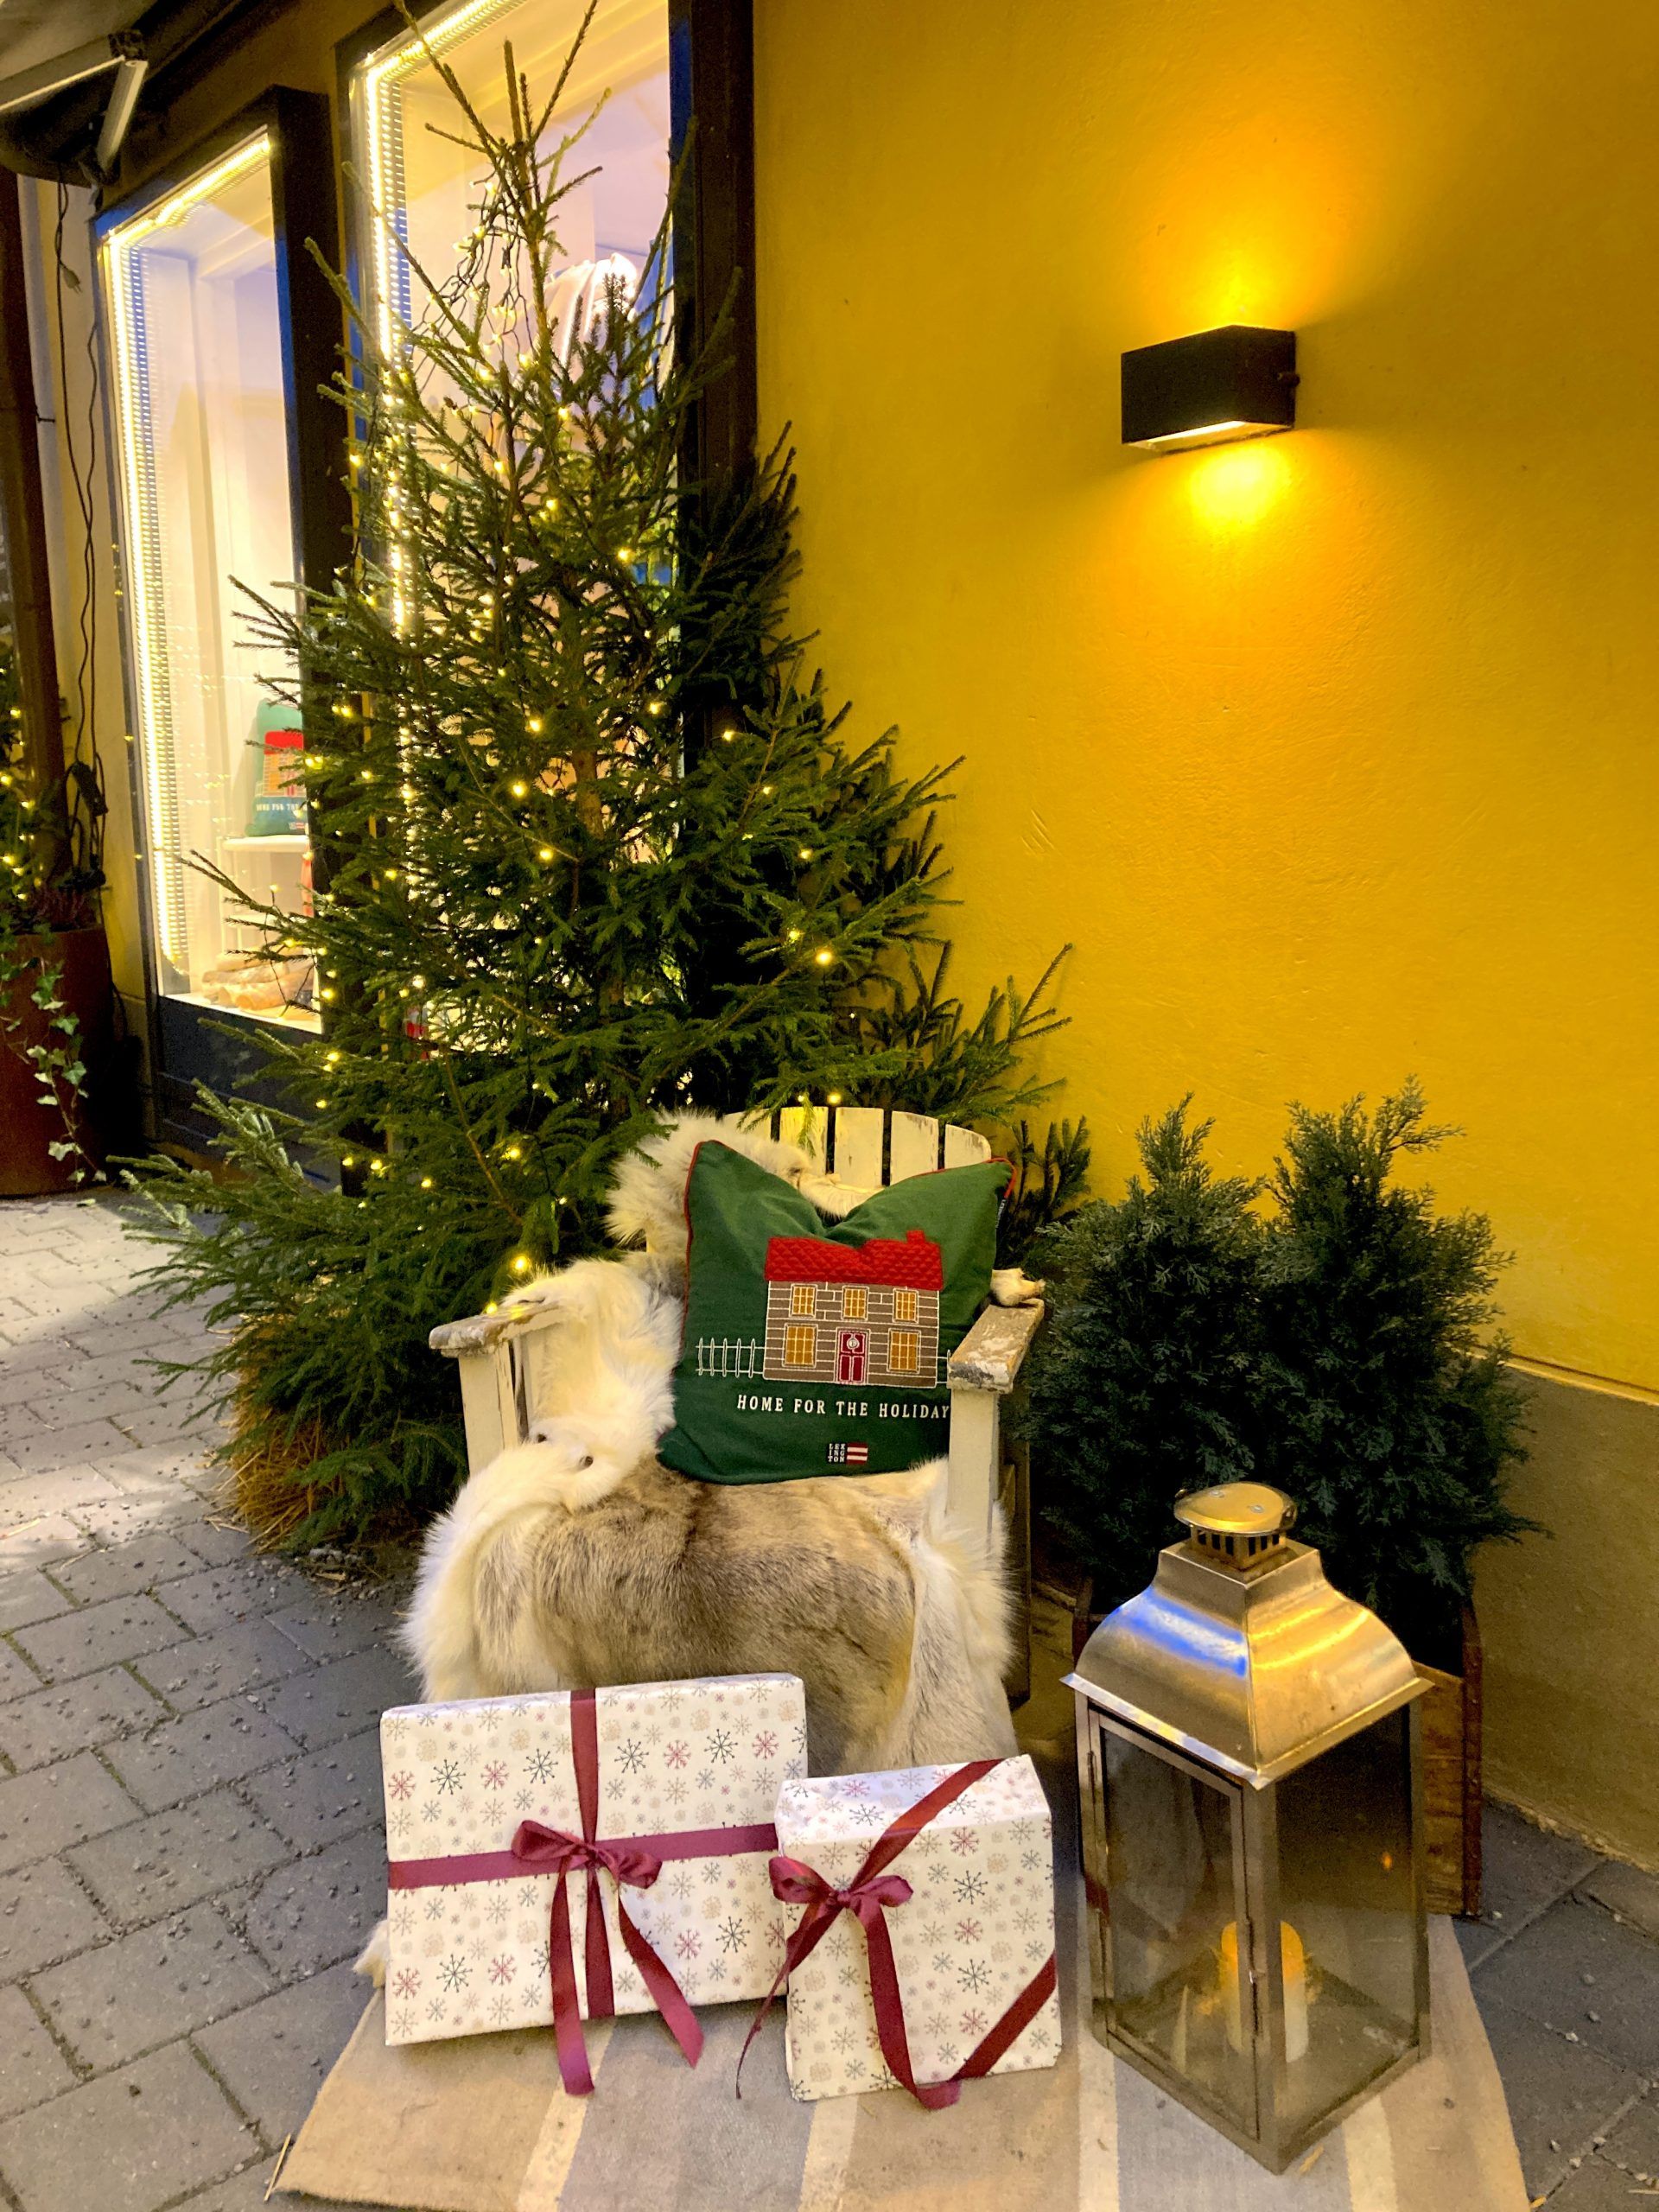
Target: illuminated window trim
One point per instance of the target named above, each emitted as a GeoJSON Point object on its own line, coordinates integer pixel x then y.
{"type": "Point", "coordinates": [146, 627]}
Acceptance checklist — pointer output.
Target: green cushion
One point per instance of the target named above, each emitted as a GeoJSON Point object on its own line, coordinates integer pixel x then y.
{"type": "Point", "coordinates": [816, 1352]}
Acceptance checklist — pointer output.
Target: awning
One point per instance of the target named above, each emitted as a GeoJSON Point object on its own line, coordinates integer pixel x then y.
{"type": "Point", "coordinates": [73, 72]}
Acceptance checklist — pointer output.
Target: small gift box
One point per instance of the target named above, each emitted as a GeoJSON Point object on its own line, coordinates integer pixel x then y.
{"type": "Point", "coordinates": [569, 1856]}
{"type": "Point", "coordinates": [923, 1955]}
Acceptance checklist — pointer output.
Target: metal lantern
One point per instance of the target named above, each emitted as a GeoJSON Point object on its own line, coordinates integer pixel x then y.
{"type": "Point", "coordinates": [1251, 1770]}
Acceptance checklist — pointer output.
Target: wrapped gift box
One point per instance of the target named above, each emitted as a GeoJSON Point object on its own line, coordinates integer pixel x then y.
{"type": "Point", "coordinates": [685, 1772]}
{"type": "Point", "coordinates": [973, 1947]}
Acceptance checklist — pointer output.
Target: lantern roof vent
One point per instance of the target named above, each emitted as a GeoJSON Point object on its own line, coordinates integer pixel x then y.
{"type": "Point", "coordinates": [1240, 1653]}
{"type": "Point", "coordinates": [1244, 1525]}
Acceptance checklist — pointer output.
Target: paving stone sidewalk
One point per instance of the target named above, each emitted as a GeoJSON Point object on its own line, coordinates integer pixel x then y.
{"type": "Point", "coordinates": [190, 1839]}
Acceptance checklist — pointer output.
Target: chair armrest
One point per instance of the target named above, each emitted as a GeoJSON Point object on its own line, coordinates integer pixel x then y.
{"type": "Point", "coordinates": [481, 1332]}
{"type": "Point", "coordinates": [990, 1356]}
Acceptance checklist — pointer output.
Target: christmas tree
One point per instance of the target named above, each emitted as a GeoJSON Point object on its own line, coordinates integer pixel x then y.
{"type": "Point", "coordinates": [592, 847]}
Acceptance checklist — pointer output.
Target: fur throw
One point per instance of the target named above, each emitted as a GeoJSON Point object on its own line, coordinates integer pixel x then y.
{"type": "Point", "coordinates": [557, 1568]}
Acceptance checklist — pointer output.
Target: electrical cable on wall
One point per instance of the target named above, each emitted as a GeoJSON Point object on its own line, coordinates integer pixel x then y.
{"type": "Point", "coordinates": [86, 804]}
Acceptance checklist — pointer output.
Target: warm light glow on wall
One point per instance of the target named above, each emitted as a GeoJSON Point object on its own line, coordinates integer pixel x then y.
{"type": "Point", "coordinates": [1237, 485]}
{"type": "Point", "coordinates": [152, 678]}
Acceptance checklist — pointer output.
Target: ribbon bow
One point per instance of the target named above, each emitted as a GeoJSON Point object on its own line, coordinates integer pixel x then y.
{"type": "Point", "coordinates": [555, 1851]}
{"type": "Point", "coordinates": [869, 1896]}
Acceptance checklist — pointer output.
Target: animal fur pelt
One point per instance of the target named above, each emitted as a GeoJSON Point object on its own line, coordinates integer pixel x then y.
{"type": "Point", "coordinates": [560, 1565]}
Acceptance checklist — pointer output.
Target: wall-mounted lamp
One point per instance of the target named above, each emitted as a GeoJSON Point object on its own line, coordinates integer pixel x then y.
{"type": "Point", "coordinates": [1237, 382]}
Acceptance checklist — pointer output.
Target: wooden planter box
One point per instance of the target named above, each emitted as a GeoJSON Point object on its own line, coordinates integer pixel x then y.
{"type": "Point", "coordinates": [1452, 1790]}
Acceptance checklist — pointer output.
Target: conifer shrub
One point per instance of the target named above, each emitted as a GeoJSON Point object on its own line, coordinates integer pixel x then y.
{"type": "Point", "coordinates": [1390, 1413]}
{"type": "Point", "coordinates": [1323, 1329]}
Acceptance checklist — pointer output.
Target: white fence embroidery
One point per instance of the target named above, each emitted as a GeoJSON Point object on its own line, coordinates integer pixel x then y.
{"type": "Point", "coordinates": [729, 1356]}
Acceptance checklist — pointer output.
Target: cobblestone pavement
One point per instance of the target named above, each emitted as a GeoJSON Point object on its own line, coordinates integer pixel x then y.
{"type": "Point", "coordinates": [190, 1839]}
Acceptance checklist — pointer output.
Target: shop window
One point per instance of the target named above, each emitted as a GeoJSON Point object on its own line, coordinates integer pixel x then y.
{"type": "Point", "coordinates": [422, 187]}
{"type": "Point", "coordinates": [197, 348]}
{"type": "Point", "coordinates": [800, 1346]}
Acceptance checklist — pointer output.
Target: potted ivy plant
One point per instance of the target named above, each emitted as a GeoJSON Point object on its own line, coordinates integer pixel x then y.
{"type": "Point", "coordinates": [1326, 1329]}
{"type": "Point", "coordinates": [56, 998]}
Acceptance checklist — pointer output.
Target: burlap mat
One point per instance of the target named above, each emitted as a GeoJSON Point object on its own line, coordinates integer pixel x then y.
{"type": "Point", "coordinates": [483, 2125]}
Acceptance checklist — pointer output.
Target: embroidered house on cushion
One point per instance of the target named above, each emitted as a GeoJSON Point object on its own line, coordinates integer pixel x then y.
{"type": "Point", "coordinates": [854, 1313]}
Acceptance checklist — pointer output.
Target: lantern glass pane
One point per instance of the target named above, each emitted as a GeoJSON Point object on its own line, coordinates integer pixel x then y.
{"type": "Point", "coordinates": [1348, 1928]}
{"type": "Point", "coordinates": [1172, 1856]}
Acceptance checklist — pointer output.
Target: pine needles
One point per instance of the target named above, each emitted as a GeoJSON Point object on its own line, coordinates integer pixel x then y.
{"type": "Point", "coordinates": [1339, 1346]}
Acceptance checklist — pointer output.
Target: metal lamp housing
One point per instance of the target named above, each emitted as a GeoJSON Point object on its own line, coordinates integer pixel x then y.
{"type": "Point", "coordinates": [1250, 1760]}
{"type": "Point", "coordinates": [1236, 382]}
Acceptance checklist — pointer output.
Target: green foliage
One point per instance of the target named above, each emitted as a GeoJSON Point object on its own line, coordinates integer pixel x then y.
{"type": "Point", "coordinates": [1048, 1187]}
{"type": "Point", "coordinates": [318, 1301]}
{"type": "Point", "coordinates": [1391, 1415]}
{"type": "Point", "coordinates": [41, 891]}
{"type": "Point", "coordinates": [1145, 1381]}
{"type": "Point", "coordinates": [1337, 1347]}
{"type": "Point", "coordinates": [593, 847]}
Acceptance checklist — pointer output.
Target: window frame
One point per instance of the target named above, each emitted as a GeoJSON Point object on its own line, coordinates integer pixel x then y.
{"type": "Point", "coordinates": [910, 1340]}
{"type": "Point", "coordinates": [794, 1331]}
{"type": "Point", "coordinates": [189, 1043]}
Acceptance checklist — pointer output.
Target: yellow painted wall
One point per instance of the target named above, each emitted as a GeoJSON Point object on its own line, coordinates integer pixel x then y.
{"type": "Point", "coordinates": [1336, 754]}
{"type": "Point", "coordinates": [1571, 1627]}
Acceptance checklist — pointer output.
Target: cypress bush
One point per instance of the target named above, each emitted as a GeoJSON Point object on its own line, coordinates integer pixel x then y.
{"type": "Point", "coordinates": [1326, 1329]}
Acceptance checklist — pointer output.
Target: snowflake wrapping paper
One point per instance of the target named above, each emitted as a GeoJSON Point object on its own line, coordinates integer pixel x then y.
{"type": "Point", "coordinates": [976, 1934]}
{"type": "Point", "coordinates": [469, 1956]}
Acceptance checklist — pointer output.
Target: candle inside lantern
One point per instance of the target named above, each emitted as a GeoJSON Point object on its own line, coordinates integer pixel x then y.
{"type": "Point", "coordinates": [1293, 1961]}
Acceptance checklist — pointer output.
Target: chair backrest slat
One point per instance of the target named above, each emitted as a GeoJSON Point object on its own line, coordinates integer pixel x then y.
{"type": "Point", "coordinates": [964, 1147]}
{"type": "Point", "coordinates": [915, 1145]}
{"type": "Point", "coordinates": [872, 1146]}
{"type": "Point", "coordinates": [859, 1134]}
{"type": "Point", "coordinates": [804, 1125]}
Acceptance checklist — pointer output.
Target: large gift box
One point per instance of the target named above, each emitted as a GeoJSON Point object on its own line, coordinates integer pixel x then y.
{"type": "Point", "coordinates": [564, 1857]}
{"type": "Point", "coordinates": [923, 1951]}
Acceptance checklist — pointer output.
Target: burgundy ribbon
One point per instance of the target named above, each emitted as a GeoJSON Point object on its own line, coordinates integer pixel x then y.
{"type": "Point", "coordinates": [635, 1861]}
{"type": "Point", "coordinates": [868, 1896]}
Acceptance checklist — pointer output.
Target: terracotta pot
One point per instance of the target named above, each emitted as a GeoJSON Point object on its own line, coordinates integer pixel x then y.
{"type": "Point", "coordinates": [28, 1129]}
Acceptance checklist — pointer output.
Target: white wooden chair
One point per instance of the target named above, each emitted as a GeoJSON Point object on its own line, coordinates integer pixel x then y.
{"type": "Point", "coordinates": [868, 1148]}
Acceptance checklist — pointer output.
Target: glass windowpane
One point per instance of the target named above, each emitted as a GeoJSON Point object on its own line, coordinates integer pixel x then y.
{"type": "Point", "coordinates": [425, 187]}
{"type": "Point", "coordinates": [200, 425]}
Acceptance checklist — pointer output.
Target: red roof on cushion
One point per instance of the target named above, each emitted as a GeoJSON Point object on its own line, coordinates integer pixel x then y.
{"type": "Point", "coordinates": [916, 1263]}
